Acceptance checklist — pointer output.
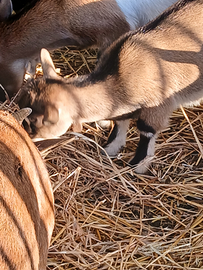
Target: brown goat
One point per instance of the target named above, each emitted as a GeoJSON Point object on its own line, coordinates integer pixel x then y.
{"type": "Point", "coordinates": [147, 73]}
{"type": "Point", "coordinates": [54, 23]}
{"type": "Point", "coordinates": [26, 200]}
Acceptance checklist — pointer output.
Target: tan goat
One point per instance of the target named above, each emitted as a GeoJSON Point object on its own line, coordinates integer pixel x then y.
{"type": "Point", "coordinates": [54, 23]}
{"type": "Point", "coordinates": [26, 200]}
{"type": "Point", "coordinates": [147, 73]}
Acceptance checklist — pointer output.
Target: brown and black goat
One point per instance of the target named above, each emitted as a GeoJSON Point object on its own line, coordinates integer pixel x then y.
{"type": "Point", "coordinates": [147, 73]}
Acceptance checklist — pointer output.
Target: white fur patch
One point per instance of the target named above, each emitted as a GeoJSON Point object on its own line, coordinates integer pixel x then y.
{"type": "Point", "coordinates": [151, 147]}
{"type": "Point", "coordinates": [113, 148]}
{"type": "Point", "coordinates": [143, 166]}
{"type": "Point", "coordinates": [147, 134]}
{"type": "Point", "coordinates": [104, 123]}
{"type": "Point", "coordinates": [140, 12]}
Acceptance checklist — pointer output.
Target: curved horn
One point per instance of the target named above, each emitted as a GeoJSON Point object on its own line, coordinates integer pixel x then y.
{"type": "Point", "coordinates": [22, 114]}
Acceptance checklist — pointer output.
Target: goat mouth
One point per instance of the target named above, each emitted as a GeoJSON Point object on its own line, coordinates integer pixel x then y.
{"type": "Point", "coordinates": [29, 127]}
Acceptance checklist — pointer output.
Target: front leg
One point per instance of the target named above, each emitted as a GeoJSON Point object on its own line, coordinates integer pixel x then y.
{"type": "Point", "coordinates": [117, 138]}
{"type": "Point", "coordinates": [145, 148]}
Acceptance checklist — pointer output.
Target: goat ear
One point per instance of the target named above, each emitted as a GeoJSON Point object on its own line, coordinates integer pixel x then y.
{"type": "Point", "coordinates": [48, 65]}
{"type": "Point", "coordinates": [6, 9]}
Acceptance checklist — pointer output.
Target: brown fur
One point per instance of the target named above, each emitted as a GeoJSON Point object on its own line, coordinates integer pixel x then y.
{"type": "Point", "coordinates": [26, 200]}
{"type": "Point", "coordinates": [73, 22]}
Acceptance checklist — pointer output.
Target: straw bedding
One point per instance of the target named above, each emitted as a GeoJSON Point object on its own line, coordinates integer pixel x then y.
{"type": "Point", "coordinates": [108, 217]}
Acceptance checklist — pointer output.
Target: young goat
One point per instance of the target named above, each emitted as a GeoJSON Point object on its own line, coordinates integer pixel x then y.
{"type": "Point", "coordinates": [54, 23]}
{"type": "Point", "coordinates": [26, 200]}
{"type": "Point", "coordinates": [147, 73]}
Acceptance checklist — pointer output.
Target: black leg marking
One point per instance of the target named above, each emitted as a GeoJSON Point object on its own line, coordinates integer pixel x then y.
{"type": "Point", "coordinates": [141, 151]}
{"type": "Point", "coordinates": [146, 133]}
{"type": "Point", "coordinates": [142, 126]}
{"type": "Point", "coordinates": [113, 134]}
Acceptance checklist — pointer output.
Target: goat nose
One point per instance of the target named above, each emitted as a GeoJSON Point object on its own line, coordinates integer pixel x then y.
{"type": "Point", "coordinates": [37, 121]}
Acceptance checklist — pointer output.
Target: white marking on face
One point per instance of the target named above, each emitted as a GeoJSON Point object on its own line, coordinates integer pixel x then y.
{"type": "Point", "coordinates": [59, 111]}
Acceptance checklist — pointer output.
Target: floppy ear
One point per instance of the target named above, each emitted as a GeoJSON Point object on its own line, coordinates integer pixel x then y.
{"type": "Point", "coordinates": [48, 65]}
{"type": "Point", "coordinates": [6, 9]}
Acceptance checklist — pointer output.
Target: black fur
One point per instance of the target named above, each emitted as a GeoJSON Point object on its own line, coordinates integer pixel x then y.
{"type": "Point", "coordinates": [108, 63]}
{"type": "Point", "coordinates": [113, 134]}
{"type": "Point", "coordinates": [142, 126]}
{"type": "Point", "coordinates": [141, 151]}
{"type": "Point", "coordinates": [54, 81]}
{"type": "Point", "coordinates": [25, 8]}
{"type": "Point", "coordinates": [20, 4]}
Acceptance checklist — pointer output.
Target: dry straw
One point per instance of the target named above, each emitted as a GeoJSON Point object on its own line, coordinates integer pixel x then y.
{"type": "Point", "coordinates": [108, 217]}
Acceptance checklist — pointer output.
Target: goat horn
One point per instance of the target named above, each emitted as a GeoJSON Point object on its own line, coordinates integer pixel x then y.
{"type": "Point", "coordinates": [22, 114]}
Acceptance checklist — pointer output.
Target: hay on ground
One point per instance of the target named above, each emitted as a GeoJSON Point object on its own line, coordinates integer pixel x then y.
{"type": "Point", "coordinates": [109, 217]}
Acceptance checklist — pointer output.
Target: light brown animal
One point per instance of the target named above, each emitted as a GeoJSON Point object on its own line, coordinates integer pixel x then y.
{"type": "Point", "coordinates": [54, 23]}
{"type": "Point", "coordinates": [147, 73]}
{"type": "Point", "coordinates": [26, 200]}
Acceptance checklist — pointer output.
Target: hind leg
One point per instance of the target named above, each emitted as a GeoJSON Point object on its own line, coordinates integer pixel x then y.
{"type": "Point", "coordinates": [145, 148]}
{"type": "Point", "coordinates": [151, 121]}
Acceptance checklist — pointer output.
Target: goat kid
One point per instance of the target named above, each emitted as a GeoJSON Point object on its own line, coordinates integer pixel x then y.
{"type": "Point", "coordinates": [26, 200]}
{"type": "Point", "coordinates": [148, 73]}
{"type": "Point", "coordinates": [54, 23]}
